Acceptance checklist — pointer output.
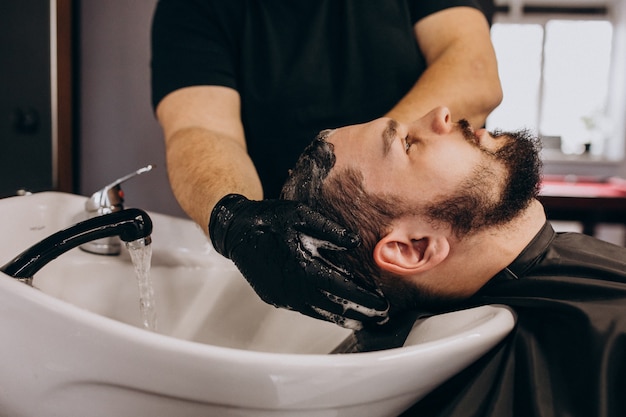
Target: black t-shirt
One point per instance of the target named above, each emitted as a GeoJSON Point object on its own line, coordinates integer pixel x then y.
{"type": "Point", "coordinates": [566, 356]}
{"type": "Point", "coordinates": [299, 66]}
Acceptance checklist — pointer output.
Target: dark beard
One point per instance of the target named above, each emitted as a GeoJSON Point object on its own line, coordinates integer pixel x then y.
{"type": "Point", "coordinates": [520, 156]}
{"type": "Point", "coordinates": [470, 209]}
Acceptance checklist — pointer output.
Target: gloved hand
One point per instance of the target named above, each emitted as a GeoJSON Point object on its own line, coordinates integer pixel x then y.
{"type": "Point", "coordinates": [276, 246]}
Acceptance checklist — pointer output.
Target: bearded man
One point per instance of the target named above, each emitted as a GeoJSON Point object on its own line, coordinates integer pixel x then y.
{"type": "Point", "coordinates": [449, 219]}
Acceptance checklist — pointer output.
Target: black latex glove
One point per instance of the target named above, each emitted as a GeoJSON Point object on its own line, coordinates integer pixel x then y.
{"type": "Point", "coordinates": [276, 246]}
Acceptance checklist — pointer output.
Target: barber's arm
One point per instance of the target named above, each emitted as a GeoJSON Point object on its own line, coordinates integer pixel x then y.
{"type": "Point", "coordinates": [274, 243]}
{"type": "Point", "coordinates": [206, 149]}
{"type": "Point", "coordinates": [461, 71]}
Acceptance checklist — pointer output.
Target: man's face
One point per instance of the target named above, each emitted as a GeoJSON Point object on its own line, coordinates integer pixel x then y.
{"type": "Point", "coordinates": [424, 161]}
{"type": "Point", "coordinates": [432, 167]}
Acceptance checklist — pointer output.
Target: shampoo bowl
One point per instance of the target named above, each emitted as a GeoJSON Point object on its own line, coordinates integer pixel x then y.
{"type": "Point", "coordinates": [74, 345]}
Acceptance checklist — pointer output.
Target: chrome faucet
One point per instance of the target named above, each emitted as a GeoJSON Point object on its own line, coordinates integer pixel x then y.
{"type": "Point", "coordinates": [109, 199]}
{"type": "Point", "coordinates": [131, 225]}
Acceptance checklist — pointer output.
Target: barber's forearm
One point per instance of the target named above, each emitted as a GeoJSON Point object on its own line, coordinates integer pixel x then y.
{"type": "Point", "coordinates": [462, 71]}
{"type": "Point", "coordinates": [203, 167]}
{"type": "Point", "coordinates": [470, 89]}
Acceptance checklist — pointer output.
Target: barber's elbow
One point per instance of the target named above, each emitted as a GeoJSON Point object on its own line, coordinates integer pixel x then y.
{"type": "Point", "coordinates": [488, 97]}
{"type": "Point", "coordinates": [492, 98]}
{"type": "Point", "coordinates": [495, 94]}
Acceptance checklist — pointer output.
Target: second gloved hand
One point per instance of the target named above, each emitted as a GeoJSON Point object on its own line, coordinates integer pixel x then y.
{"type": "Point", "coordinates": [276, 246]}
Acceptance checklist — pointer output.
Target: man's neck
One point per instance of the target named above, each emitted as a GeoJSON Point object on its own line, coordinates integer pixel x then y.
{"type": "Point", "coordinates": [477, 259]}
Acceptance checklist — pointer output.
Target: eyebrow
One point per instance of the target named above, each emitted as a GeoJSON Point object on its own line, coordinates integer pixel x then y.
{"type": "Point", "coordinates": [388, 136]}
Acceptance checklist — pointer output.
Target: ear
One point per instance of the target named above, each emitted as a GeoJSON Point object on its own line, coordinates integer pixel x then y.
{"type": "Point", "coordinates": [404, 252]}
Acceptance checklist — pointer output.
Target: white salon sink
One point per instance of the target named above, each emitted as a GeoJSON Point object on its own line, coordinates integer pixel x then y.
{"type": "Point", "coordinates": [74, 344]}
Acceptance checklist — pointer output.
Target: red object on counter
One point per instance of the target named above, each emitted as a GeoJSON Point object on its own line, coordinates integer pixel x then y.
{"type": "Point", "coordinates": [584, 200]}
{"type": "Point", "coordinates": [612, 188]}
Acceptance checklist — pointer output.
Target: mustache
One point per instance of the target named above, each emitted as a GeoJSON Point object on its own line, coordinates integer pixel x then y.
{"type": "Point", "coordinates": [467, 131]}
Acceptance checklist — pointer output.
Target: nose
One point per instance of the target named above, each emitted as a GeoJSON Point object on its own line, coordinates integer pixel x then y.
{"type": "Point", "coordinates": [437, 121]}
{"type": "Point", "coordinates": [441, 120]}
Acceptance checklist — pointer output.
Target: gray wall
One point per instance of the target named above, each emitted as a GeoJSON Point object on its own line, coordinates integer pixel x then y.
{"type": "Point", "coordinates": [118, 131]}
{"type": "Point", "coordinates": [25, 111]}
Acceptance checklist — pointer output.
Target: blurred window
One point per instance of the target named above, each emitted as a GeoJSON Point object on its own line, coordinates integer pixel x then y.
{"type": "Point", "coordinates": [555, 70]}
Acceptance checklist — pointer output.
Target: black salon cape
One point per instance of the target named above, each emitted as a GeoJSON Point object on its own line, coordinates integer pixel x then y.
{"type": "Point", "coordinates": [567, 353]}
